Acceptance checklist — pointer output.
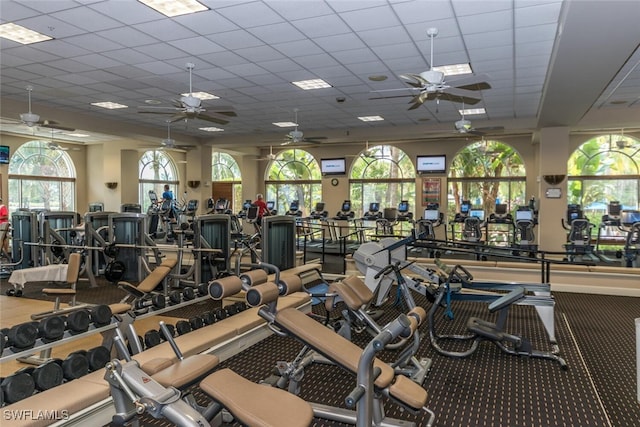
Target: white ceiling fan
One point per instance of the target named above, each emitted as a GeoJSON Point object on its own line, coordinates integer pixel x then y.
{"type": "Point", "coordinates": [170, 144]}
{"type": "Point", "coordinates": [269, 156]}
{"type": "Point", "coordinates": [296, 136]}
{"type": "Point", "coordinates": [463, 126]}
{"type": "Point", "coordinates": [431, 84]}
{"type": "Point", "coordinates": [53, 145]}
{"type": "Point", "coordinates": [32, 119]}
{"type": "Point", "coordinates": [190, 107]}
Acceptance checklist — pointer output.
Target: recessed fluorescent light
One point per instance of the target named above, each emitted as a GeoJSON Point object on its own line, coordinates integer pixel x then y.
{"type": "Point", "coordinates": [211, 129]}
{"type": "Point", "coordinates": [175, 7]}
{"type": "Point", "coordinates": [109, 105]}
{"type": "Point", "coordinates": [312, 84]}
{"type": "Point", "coordinates": [202, 95]}
{"type": "Point", "coordinates": [78, 135]}
{"type": "Point", "coordinates": [285, 124]}
{"type": "Point", "coordinates": [370, 118]}
{"type": "Point", "coordinates": [20, 34]}
{"type": "Point", "coordinates": [454, 69]}
{"type": "Point", "coordinates": [471, 111]}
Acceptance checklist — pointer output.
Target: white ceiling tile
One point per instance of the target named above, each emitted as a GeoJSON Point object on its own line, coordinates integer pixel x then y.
{"type": "Point", "coordinates": [313, 61]}
{"type": "Point", "coordinates": [537, 15]}
{"type": "Point", "coordinates": [397, 51]}
{"type": "Point", "coordinates": [127, 36]}
{"type": "Point", "coordinates": [76, 79]}
{"type": "Point", "coordinates": [299, 9]}
{"type": "Point", "coordinates": [41, 70]}
{"type": "Point", "coordinates": [347, 5]}
{"type": "Point", "coordinates": [277, 33]}
{"type": "Point", "coordinates": [87, 19]}
{"type": "Point", "coordinates": [127, 71]}
{"type": "Point", "coordinates": [245, 69]}
{"type": "Point", "coordinates": [196, 45]}
{"type": "Point", "coordinates": [298, 48]}
{"type": "Point", "coordinates": [385, 36]}
{"type": "Point", "coordinates": [278, 65]}
{"type": "Point", "coordinates": [446, 28]}
{"type": "Point", "coordinates": [532, 61]}
{"type": "Point", "coordinates": [128, 56]}
{"type": "Point", "coordinates": [339, 42]}
{"type": "Point", "coordinates": [42, 6]}
{"type": "Point", "coordinates": [97, 61]}
{"type": "Point", "coordinates": [13, 11]}
{"type": "Point", "coordinates": [321, 26]}
{"type": "Point", "coordinates": [486, 22]}
{"type": "Point", "coordinates": [165, 30]}
{"type": "Point", "coordinates": [160, 51]}
{"type": "Point", "coordinates": [421, 11]}
{"type": "Point", "coordinates": [466, 7]}
{"type": "Point", "coordinates": [250, 15]}
{"type": "Point", "coordinates": [222, 59]}
{"type": "Point", "coordinates": [536, 33]}
{"type": "Point", "coordinates": [31, 54]}
{"type": "Point", "coordinates": [489, 38]}
{"type": "Point", "coordinates": [51, 27]}
{"type": "Point", "coordinates": [128, 12]}
{"type": "Point", "coordinates": [62, 48]}
{"type": "Point", "coordinates": [369, 19]}
{"type": "Point", "coordinates": [354, 56]}
{"type": "Point", "coordinates": [491, 53]}
{"type": "Point", "coordinates": [259, 53]}
{"type": "Point", "coordinates": [92, 42]}
{"type": "Point", "coordinates": [534, 49]}
{"type": "Point", "coordinates": [206, 22]}
{"type": "Point", "coordinates": [237, 39]}
{"type": "Point", "coordinates": [70, 66]}
{"type": "Point", "coordinates": [159, 68]}
{"type": "Point", "coordinates": [332, 71]}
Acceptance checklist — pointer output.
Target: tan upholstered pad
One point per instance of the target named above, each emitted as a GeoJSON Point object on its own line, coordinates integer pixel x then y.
{"type": "Point", "coordinates": [154, 279]}
{"type": "Point", "coordinates": [334, 346]}
{"type": "Point", "coordinates": [56, 291]}
{"type": "Point", "coordinates": [408, 392]}
{"type": "Point", "coordinates": [187, 371]}
{"type": "Point", "coordinates": [255, 404]}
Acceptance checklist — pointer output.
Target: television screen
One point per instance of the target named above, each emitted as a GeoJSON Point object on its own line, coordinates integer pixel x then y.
{"type": "Point", "coordinates": [247, 204]}
{"type": "Point", "coordinates": [319, 206]}
{"type": "Point", "coordinates": [374, 207]}
{"type": "Point", "coordinates": [630, 217]}
{"type": "Point", "coordinates": [346, 206]}
{"type": "Point", "coordinates": [403, 206]}
{"type": "Point", "coordinates": [501, 209]}
{"type": "Point", "coordinates": [465, 207]}
{"type": "Point", "coordinates": [293, 206]}
{"type": "Point", "coordinates": [431, 164]}
{"type": "Point", "coordinates": [431, 214]}
{"type": "Point", "coordinates": [478, 213]}
{"type": "Point", "coordinates": [524, 215]}
{"type": "Point", "coordinates": [614, 208]}
{"type": "Point", "coordinates": [4, 154]}
{"type": "Point", "coordinates": [333, 166]}
{"type": "Point", "coordinates": [272, 205]}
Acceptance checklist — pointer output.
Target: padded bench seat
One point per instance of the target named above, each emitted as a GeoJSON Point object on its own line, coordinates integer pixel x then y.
{"type": "Point", "coordinates": [71, 397]}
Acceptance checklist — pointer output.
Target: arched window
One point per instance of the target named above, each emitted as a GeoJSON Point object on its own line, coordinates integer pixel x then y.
{"type": "Point", "coordinates": [156, 169]}
{"type": "Point", "coordinates": [486, 173]}
{"type": "Point", "coordinates": [41, 178]}
{"type": "Point", "coordinates": [603, 169]}
{"type": "Point", "coordinates": [294, 175]}
{"type": "Point", "coordinates": [226, 179]}
{"type": "Point", "coordinates": [383, 174]}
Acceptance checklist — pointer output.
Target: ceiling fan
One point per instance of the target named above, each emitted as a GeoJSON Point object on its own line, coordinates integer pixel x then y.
{"type": "Point", "coordinates": [170, 144]}
{"type": "Point", "coordinates": [190, 107]}
{"type": "Point", "coordinates": [297, 136]}
{"type": "Point", "coordinates": [463, 126]}
{"type": "Point", "coordinates": [32, 119]}
{"type": "Point", "coordinates": [269, 156]}
{"type": "Point", "coordinates": [432, 85]}
{"type": "Point", "coordinates": [52, 145]}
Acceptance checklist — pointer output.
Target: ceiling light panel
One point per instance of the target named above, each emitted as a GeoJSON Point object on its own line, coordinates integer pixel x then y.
{"type": "Point", "coordinates": [172, 8]}
{"type": "Point", "coordinates": [370, 118]}
{"type": "Point", "coordinates": [312, 84]}
{"type": "Point", "coordinates": [20, 34]}
{"type": "Point", "coordinates": [109, 105]}
{"type": "Point", "coordinates": [202, 95]}
{"type": "Point", "coordinates": [472, 111]}
{"type": "Point", "coordinates": [454, 69]}
{"type": "Point", "coordinates": [211, 129]}
{"type": "Point", "coordinates": [285, 124]}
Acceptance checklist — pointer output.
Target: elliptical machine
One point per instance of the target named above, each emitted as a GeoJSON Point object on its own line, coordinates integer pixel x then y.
{"type": "Point", "coordinates": [578, 247]}
{"type": "Point", "coordinates": [294, 209]}
{"type": "Point", "coordinates": [373, 213]}
{"type": "Point", "coordinates": [345, 212]}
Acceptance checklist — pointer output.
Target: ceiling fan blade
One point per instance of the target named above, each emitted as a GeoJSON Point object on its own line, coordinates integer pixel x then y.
{"type": "Point", "coordinates": [475, 82]}
{"type": "Point", "coordinates": [50, 124]}
{"type": "Point", "coordinates": [419, 99]}
{"type": "Point", "coordinates": [225, 110]}
{"type": "Point", "coordinates": [391, 97]}
{"type": "Point", "coordinates": [418, 80]}
{"type": "Point", "coordinates": [458, 95]}
{"type": "Point", "coordinates": [212, 119]}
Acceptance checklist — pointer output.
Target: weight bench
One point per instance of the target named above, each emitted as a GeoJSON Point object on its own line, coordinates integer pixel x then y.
{"type": "Point", "coordinates": [340, 351]}
{"type": "Point", "coordinates": [146, 288]}
{"type": "Point", "coordinates": [135, 391]}
{"type": "Point", "coordinates": [357, 296]}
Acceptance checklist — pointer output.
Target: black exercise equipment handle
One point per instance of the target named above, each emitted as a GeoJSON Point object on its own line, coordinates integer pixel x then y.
{"type": "Point", "coordinates": [169, 338]}
{"type": "Point", "coordinates": [455, 273]}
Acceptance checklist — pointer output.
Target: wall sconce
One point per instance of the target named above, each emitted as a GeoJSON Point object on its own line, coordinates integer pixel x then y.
{"type": "Point", "coordinates": [553, 179]}
{"type": "Point", "coordinates": [193, 184]}
{"type": "Point", "coordinates": [111, 185]}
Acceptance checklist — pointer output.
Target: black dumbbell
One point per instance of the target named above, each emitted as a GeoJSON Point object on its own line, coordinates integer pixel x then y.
{"type": "Point", "coordinates": [18, 386]}
{"type": "Point", "coordinates": [50, 328]}
{"type": "Point", "coordinates": [196, 323]}
{"type": "Point", "coordinates": [175, 297]}
{"type": "Point", "coordinates": [172, 331]}
{"type": "Point", "coordinates": [75, 365]}
{"type": "Point", "coordinates": [47, 375]}
{"type": "Point", "coordinates": [203, 289]}
{"type": "Point", "coordinates": [209, 317]}
{"type": "Point", "coordinates": [21, 337]}
{"type": "Point", "coordinates": [156, 301]}
{"type": "Point", "coordinates": [240, 306]}
{"type": "Point", "coordinates": [152, 338]}
{"type": "Point", "coordinates": [188, 293]}
{"type": "Point", "coordinates": [14, 292]}
{"type": "Point", "coordinates": [140, 340]}
{"type": "Point", "coordinates": [183, 327]}
{"type": "Point", "coordinates": [231, 309]}
{"type": "Point", "coordinates": [78, 321]}
{"type": "Point", "coordinates": [3, 341]}
{"type": "Point", "coordinates": [98, 357]}
{"type": "Point", "coordinates": [220, 313]}
{"type": "Point", "coordinates": [100, 315]}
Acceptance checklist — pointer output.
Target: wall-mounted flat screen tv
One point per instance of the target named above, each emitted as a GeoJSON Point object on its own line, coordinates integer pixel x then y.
{"type": "Point", "coordinates": [431, 164]}
{"type": "Point", "coordinates": [4, 154]}
{"type": "Point", "coordinates": [336, 166]}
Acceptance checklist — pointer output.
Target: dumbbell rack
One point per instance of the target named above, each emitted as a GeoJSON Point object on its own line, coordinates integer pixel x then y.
{"type": "Point", "coordinates": [39, 346]}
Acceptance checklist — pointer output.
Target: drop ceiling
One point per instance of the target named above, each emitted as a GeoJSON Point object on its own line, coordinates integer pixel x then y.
{"type": "Point", "coordinates": [549, 63]}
